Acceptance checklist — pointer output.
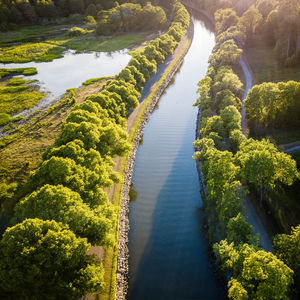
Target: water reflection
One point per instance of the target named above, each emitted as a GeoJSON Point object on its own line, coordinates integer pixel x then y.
{"type": "Point", "coordinates": [167, 245]}
{"type": "Point", "coordinates": [71, 70]}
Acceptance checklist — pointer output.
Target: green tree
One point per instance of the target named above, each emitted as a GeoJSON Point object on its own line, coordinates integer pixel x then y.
{"type": "Point", "coordinates": [239, 230]}
{"type": "Point", "coordinates": [250, 22]}
{"type": "Point", "coordinates": [227, 53]}
{"type": "Point", "coordinates": [287, 248]}
{"type": "Point", "coordinates": [256, 273]}
{"type": "Point", "coordinates": [225, 18]}
{"type": "Point", "coordinates": [262, 165]}
{"type": "Point", "coordinates": [61, 204]}
{"type": "Point", "coordinates": [65, 171]}
{"type": "Point", "coordinates": [231, 119]}
{"type": "Point", "coordinates": [45, 260]}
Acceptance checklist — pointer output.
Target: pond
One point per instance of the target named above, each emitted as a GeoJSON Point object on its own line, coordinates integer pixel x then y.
{"type": "Point", "coordinates": [57, 76]}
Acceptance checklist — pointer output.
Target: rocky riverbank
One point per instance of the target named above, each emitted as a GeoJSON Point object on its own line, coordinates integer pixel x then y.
{"type": "Point", "coordinates": [122, 259]}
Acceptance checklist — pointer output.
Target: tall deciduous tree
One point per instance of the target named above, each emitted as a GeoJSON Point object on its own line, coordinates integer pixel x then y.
{"type": "Point", "coordinates": [256, 274]}
{"type": "Point", "coordinates": [262, 165]}
{"type": "Point", "coordinates": [45, 260]}
{"type": "Point", "coordinates": [61, 204]}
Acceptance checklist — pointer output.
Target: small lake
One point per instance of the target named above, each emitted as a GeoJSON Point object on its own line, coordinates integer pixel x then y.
{"type": "Point", "coordinates": [168, 255]}
{"type": "Point", "coordinates": [73, 69]}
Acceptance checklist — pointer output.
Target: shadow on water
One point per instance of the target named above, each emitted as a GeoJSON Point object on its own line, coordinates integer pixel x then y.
{"type": "Point", "coordinates": [168, 251]}
{"type": "Point", "coordinates": [176, 261]}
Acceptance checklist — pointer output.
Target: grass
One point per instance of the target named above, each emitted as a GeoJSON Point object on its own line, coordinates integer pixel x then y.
{"type": "Point", "coordinates": [16, 98]}
{"type": "Point", "coordinates": [28, 145]}
{"type": "Point", "coordinates": [16, 71]}
{"type": "Point", "coordinates": [30, 52]}
{"type": "Point", "coordinates": [91, 42]}
{"type": "Point", "coordinates": [264, 64]}
{"type": "Point", "coordinates": [4, 119]}
{"type": "Point", "coordinates": [93, 80]}
{"type": "Point", "coordinates": [16, 81]}
{"type": "Point", "coordinates": [110, 258]}
{"type": "Point", "coordinates": [52, 44]}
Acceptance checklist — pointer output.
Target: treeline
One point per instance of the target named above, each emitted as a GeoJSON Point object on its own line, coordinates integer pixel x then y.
{"type": "Point", "coordinates": [66, 207]}
{"type": "Point", "coordinates": [130, 16]}
{"type": "Point", "coordinates": [33, 11]}
{"type": "Point", "coordinates": [273, 105]}
{"type": "Point", "coordinates": [230, 163]}
{"type": "Point", "coordinates": [276, 21]}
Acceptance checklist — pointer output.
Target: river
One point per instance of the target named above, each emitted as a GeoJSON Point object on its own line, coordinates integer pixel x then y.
{"type": "Point", "coordinates": [169, 258]}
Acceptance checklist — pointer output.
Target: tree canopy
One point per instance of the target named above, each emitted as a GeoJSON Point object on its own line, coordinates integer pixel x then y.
{"type": "Point", "coordinates": [47, 257]}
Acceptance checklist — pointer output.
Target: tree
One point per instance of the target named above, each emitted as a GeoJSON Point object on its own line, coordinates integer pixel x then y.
{"type": "Point", "coordinates": [250, 22]}
{"type": "Point", "coordinates": [213, 124]}
{"type": "Point", "coordinates": [236, 137]}
{"type": "Point", "coordinates": [65, 171]}
{"type": "Point", "coordinates": [256, 274]}
{"type": "Point", "coordinates": [239, 230]}
{"type": "Point", "coordinates": [231, 119]}
{"type": "Point", "coordinates": [112, 103]}
{"type": "Point", "coordinates": [146, 67]}
{"type": "Point", "coordinates": [45, 9]}
{"type": "Point", "coordinates": [110, 139]}
{"type": "Point", "coordinates": [232, 33]}
{"type": "Point", "coordinates": [263, 165]}
{"type": "Point", "coordinates": [226, 79]}
{"type": "Point", "coordinates": [45, 260]}
{"type": "Point", "coordinates": [61, 204]}
{"type": "Point", "coordinates": [91, 10]}
{"type": "Point", "coordinates": [287, 248]}
{"type": "Point", "coordinates": [227, 53]}
{"type": "Point", "coordinates": [127, 92]}
{"type": "Point", "coordinates": [225, 18]}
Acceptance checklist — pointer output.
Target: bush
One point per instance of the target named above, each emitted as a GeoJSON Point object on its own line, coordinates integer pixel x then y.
{"type": "Point", "coordinates": [40, 259]}
{"type": "Point", "coordinates": [4, 119]}
{"type": "Point", "coordinates": [76, 31]}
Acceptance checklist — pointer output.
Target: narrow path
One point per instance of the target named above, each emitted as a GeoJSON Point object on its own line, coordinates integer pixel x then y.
{"type": "Point", "coordinates": [254, 217]}
{"type": "Point", "coordinates": [248, 86]}
{"type": "Point", "coordinates": [292, 149]}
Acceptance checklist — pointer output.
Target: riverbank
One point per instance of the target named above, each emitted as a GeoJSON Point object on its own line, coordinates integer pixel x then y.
{"type": "Point", "coordinates": [116, 259]}
{"type": "Point", "coordinates": [263, 217]}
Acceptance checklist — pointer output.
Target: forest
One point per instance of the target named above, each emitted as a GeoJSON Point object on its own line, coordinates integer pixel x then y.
{"type": "Point", "coordinates": [64, 166]}
{"type": "Point", "coordinates": [235, 165]}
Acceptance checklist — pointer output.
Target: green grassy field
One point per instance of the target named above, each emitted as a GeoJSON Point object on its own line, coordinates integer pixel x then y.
{"type": "Point", "coordinates": [264, 64]}
{"type": "Point", "coordinates": [17, 94]}
{"type": "Point", "coordinates": [52, 44]}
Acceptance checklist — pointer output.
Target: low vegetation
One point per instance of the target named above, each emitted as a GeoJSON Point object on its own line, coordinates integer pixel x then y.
{"type": "Point", "coordinates": [16, 71]}
{"type": "Point", "coordinates": [29, 52]}
{"type": "Point", "coordinates": [17, 94]}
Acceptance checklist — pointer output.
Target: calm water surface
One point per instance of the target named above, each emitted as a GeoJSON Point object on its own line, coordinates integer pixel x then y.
{"type": "Point", "coordinates": [73, 69]}
{"type": "Point", "coordinates": [167, 245]}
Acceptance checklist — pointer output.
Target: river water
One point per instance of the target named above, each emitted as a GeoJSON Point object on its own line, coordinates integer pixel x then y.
{"type": "Point", "coordinates": [169, 258]}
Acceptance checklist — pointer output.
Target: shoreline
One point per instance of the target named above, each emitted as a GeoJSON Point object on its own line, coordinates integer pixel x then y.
{"type": "Point", "coordinates": [124, 227]}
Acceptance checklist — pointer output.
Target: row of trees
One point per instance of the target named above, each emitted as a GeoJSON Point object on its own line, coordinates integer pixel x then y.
{"type": "Point", "coordinates": [130, 16]}
{"type": "Point", "coordinates": [273, 105]}
{"type": "Point", "coordinates": [17, 11]}
{"type": "Point", "coordinates": [276, 21]}
{"type": "Point", "coordinates": [255, 272]}
{"type": "Point", "coordinates": [66, 208]}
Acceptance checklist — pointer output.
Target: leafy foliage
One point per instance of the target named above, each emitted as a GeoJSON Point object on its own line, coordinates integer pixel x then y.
{"type": "Point", "coordinates": [47, 257]}
{"type": "Point", "coordinates": [63, 205]}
